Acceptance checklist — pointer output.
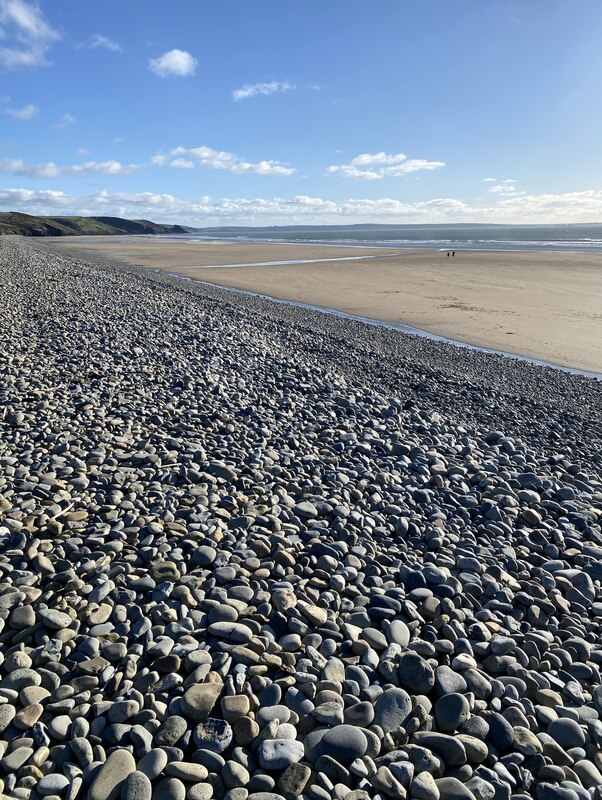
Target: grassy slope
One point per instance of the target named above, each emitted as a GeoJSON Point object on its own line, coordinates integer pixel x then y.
{"type": "Point", "coordinates": [12, 222]}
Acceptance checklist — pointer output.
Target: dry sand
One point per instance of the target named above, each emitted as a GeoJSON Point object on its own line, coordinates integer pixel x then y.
{"type": "Point", "coordinates": [542, 305]}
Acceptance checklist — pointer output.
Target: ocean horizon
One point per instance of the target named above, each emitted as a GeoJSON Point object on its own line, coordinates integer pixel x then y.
{"type": "Point", "coordinates": [573, 237]}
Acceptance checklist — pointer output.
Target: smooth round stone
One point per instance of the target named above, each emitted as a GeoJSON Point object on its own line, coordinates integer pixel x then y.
{"type": "Point", "coordinates": [193, 773]}
{"type": "Point", "coordinates": [170, 789]}
{"type": "Point", "coordinates": [328, 713]}
{"type": "Point", "coordinates": [231, 632]}
{"type": "Point", "coordinates": [235, 775]}
{"type": "Point", "coordinates": [200, 791]}
{"type": "Point", "coordinates": [285, 731]}
{"type": "Point", "coordinates": [453, 789]}
{"type": "Point", "coordinates": [360, 715]}
{"type": "Point", "coordinates": [153, 763]}
{"type": "Point", "coordinates": [279, 753]}
{"type": "Point", "coordinates": [51, 784]}
{"type": "Point", "coordinates": [111, 776]}
{"type": "Point", "coordinates": [451, 711]}
{"type": "Point", "coordinates": [20, 678]}
{"type": "Point", "coordinates": [391, 709]}
{"type": "Point", "coordinates": [398, 633]}
{"type": "Point", "coordinates": [501, 731]}
{"type": "Point", "coordinates": [343, 743]}
{"type": "Point", "coordinates": [424, 787]}
{"type": "Point", "coordinates": [213, 734]}
{"type": "Point", "coordinates": [306, 510]}
{"type": "Point", "coordinates": [7, 714]}
{"type": "Point", "coordinates": [137, 786]}
{"type": "Point", "coordinates": [447, 681]}
{"type": "Point", "coordinates": [270, 713]}
{"type": "Point", "coordinates": [567, 732]}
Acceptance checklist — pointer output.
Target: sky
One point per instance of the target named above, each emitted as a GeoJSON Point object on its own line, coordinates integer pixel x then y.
{"type": "Point", "coordinates": [267, 112]}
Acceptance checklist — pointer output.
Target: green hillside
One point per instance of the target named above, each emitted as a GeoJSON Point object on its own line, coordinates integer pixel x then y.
{"type": "Point", "coordinates": [15, 223]}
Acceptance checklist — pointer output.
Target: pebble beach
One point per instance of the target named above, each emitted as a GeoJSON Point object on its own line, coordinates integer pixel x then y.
{"type": "Point", "coordinates": [253, 552]}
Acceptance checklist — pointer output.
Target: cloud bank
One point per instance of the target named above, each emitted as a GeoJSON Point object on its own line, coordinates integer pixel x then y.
{"type": "Point", "coordinates": [583, 206]}
{"type": "Point", "coordinates": [19, 168]}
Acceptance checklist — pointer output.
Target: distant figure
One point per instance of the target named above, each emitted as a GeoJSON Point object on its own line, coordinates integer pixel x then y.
{"type": "Point", "coordinates": [448, 253]}
{"type": "Point", "coordinates": [453, 254]}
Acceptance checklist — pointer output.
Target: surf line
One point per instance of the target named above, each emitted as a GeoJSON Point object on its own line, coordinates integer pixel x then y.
{"type": "Point", "coordinates": [284, 263]}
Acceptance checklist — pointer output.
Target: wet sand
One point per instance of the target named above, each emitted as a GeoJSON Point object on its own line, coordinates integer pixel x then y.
{"type": "Point", "coordinates": [546, 306]}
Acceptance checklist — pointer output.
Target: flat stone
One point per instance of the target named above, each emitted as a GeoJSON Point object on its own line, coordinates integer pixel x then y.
{"type": "Point", "coordinates": [53, 619]}
{"type": "Point", "coordinates": [453, 789]}
{"type": "Point", "coordinates": [391, 709]}
{"type": "Point", "coordinates": [279, 753]}
{"type": "Point", "coordinates": [526, 742]}
{"type": "Point", "coordinates": [52, 784]}
{"type": "Point", "coordinates": [293, 780]}
{"type": "Point", "coordinates": [198, 701]}
{"type": "Point", "coordinates": [231, 632]}
{"type": "Point", "coordinates": [449, 748]}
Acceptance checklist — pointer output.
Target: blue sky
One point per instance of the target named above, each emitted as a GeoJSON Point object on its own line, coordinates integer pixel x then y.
{"type": "Point", "coordinates": [271, 112]}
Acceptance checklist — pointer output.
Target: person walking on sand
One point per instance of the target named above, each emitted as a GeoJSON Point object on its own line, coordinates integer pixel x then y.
{"type": "Point", "coordinates": [448, 253]}
{"type": "Point", "coordinates": [453, 254]}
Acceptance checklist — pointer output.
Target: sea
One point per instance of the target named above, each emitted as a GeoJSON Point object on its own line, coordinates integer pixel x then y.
{"type": "Point", "coordinates": [572, 237]}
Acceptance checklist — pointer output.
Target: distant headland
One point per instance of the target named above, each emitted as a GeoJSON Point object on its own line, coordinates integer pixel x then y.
{"type": "Point", "coordinates": [15, 223]}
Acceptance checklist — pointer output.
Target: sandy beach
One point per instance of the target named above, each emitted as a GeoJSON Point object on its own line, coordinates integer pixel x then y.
{"type": "Point", "coordinates": [541, 305]}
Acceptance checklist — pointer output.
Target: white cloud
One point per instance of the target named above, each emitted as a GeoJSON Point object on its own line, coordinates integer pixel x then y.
{"type": "Point", "coordinates": [27, 112]}
{"type": "Point", "coordinates": [253, 89]}
{"type": "Point", "coordinates": [98, 40]}
{"type": "Point", "coordinates": [181, 163]}
{"type": "Point", "coordinates": [19, 168]}
{"type": "Point", "coordinates": [81, 151]}
{"type": "Point", "coordinates": [66, 120]}
{"type": "Point", "coordinates": [489, 180]}
{"type": "Point", "coordinates": [179, 63]}
{"type": "Point", "coordinates": [374, 166]}
{"type": "Point", "coordinates": [505, 188]}
{"type": "Point", "coordinates": [208, 158]}
{"type": "Point", "coordinates": [302, 209]}
{"type": "Point", "coordinates": [25, 36]}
